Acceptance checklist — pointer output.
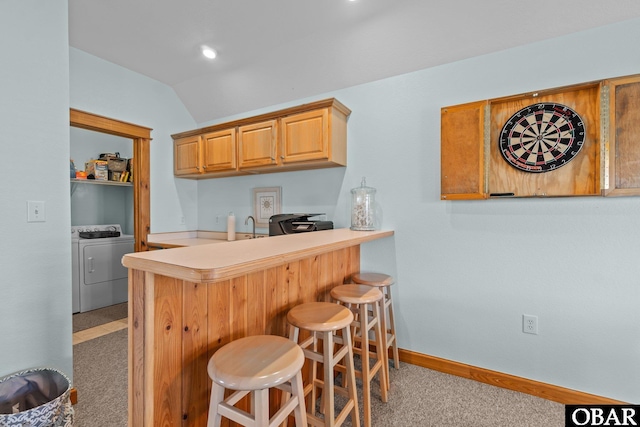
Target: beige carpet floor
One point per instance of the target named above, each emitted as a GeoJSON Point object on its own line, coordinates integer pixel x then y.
{"type": "Point", "coordinates": [100, 377]}
{"type": "Point", "coordinates": [418, 396]}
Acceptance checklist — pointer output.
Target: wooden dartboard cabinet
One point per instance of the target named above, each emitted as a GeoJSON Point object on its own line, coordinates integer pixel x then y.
{"type": "Point", "coordinates": [608, 163]}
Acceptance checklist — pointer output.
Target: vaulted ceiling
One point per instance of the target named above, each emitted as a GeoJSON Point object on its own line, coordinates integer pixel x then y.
{"type": "Point", "coordinates": [275, 51]}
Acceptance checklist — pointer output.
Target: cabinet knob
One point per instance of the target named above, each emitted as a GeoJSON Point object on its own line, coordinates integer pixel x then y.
{"type": "Point", "coordinates": [282, 157]}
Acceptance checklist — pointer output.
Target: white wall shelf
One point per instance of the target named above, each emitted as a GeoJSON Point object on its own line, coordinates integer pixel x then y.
{"type": "Point", "coordinates": [101, 182]}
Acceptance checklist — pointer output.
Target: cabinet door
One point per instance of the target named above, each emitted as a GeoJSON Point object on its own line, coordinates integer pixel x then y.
{"type": "Point", "coordinates": [219, 151]}
{"type": "Point", "coordinates": [462, 152]}
{"type": "Point", "coordinates": [186, 156]}
{"type": "Point", "coordinates": [622, 157]}
{"type": "Point", "coordinates": [257, 144]}
{"type": "Point", "coordinates": [305, 136]}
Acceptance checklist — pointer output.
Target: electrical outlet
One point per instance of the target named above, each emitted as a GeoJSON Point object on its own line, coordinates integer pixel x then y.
{"type": "Point", "coordinates": [182, 220]}
{"type": "Point", "coordinates": [530, 324]}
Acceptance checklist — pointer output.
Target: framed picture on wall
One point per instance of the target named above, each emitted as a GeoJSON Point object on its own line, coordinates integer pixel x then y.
{"type": "Point", "coordinates": [267, 201]}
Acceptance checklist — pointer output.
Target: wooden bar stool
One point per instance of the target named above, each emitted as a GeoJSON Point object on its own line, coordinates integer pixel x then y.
{"type": "Point", "coordinates": [330, 323]}
{"type": "Point", "coordinates": [254, 365]}
{"type": "Point", "coordinates": [365, 301]}
{"type": "Point", "coordinates": [384, 282]}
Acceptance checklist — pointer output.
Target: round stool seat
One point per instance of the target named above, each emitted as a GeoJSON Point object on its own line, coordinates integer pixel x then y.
{"type": "Point", "coordinates": [372, 279]}
{"type": "Point", "coordinates": [256, 362]}
{"type": "Point", "coordinates": [356, 294]}
{"type": "Point", "coordinates": [320, 316]}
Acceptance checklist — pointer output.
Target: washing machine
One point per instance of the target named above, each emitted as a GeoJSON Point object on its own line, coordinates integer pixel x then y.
{"type": "Point", "coordinates": [98, 277]}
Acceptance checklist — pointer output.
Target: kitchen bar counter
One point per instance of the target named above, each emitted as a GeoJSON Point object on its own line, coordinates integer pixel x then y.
{"type": "Point", "coordinates": [205, 263]}
{"type": "Point", "coordinates": [185, 303]}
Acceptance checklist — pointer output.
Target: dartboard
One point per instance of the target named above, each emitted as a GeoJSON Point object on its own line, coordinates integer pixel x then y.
{"type": "Point", "coordinates": [542, 137]}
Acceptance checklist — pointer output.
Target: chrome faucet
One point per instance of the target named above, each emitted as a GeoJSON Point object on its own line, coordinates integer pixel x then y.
{"type": "Point", "coordinates": [253, 221]}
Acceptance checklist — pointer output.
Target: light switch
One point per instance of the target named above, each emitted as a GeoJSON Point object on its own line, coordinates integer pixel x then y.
{"type": "Point", "coordinates": [36, 211]}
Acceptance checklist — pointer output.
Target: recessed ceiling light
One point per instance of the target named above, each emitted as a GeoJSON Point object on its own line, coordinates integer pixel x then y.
{"type": "Point", "coordinates": [208, 52]}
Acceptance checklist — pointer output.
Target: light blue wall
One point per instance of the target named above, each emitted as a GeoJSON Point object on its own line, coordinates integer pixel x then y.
{"type": "Point", "coordinates": [467, 270]}
{"type": "Point", "coordinates": [106, 89]}
{"type": "Point", "coordinates": [37, 92]}
{"type": "Point", "coordinates": [35, 258]}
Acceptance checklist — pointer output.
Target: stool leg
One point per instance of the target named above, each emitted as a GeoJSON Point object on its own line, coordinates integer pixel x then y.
{"type": "Point", "coordinates": [261, 407]}
{"type": "Point", "coordinates": [217, 396]}
{"type": "Point", "coordinates": [392, 327]}
{"type": "Point", "coordinates": [381, 351]}
{"type": "Point", "coordinates": [310, 403]}
{"type": "Point", "coordinates": [364, 356]}
{"type": "Point", "coordinates": [327, 390]}
{"type": "Point", "coordinates": [383, 339]}
{"type": "Point", "coordinates": [314, 375]}
{"type": "Point", "coordinates": [298, 391]}
{"type": "Point", "coordinates": [351, 376]}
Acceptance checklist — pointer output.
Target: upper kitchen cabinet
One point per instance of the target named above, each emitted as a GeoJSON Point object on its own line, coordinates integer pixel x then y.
{"type": "Point", "coordinates": [186, 156]}
{"type": "Point", "coordinates": [308, 136]}
{"type": "Point", "coordinates": [219, 151]}
{"type": "Point", "coordinates": [622, 150]}
{"type": "Point", "coordinates": [257, 144]}
{"type": "Point", "coordinates": [212, 153]}
{"type": "Point", "coordinates": [314, 136]}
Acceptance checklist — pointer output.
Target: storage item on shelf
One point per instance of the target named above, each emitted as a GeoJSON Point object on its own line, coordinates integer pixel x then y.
{"type": "Point", "coordinates": [101, 172]}
{"type": "Point", "coordinates": [107, 156]}
{"type": "Point", "coordinates": [98, 168]}
{"type": "Point", "coordinates": [117, 164]}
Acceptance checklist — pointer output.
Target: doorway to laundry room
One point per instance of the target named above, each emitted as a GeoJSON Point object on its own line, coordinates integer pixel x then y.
{"type": "Point", "coordinates": [101, 218]}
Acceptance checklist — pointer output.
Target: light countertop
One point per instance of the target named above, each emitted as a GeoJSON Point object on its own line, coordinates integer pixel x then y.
{"type": "Point", "coordinates": [220, 260]}
{"type": "Point", "coordinates": [192, 238]}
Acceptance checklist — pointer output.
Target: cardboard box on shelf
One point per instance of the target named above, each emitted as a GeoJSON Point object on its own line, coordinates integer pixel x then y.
{"type": "Point", "coordinates": [118, 165]}
{"type": "Point", "coordinates": [102, 171]}
{"type": "Point", "coordinates": [98, 168]}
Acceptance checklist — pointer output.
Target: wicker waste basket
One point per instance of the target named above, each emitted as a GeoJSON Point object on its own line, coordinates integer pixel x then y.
{"type": "Point", "coordinates": [36, 398]}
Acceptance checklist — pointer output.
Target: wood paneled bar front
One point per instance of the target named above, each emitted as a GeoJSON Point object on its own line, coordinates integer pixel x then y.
{"type": "Point", "coordinates": [185, 303]}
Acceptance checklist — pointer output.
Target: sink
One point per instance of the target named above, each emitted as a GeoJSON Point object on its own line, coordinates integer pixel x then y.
{"type": "Point", "coordinates": [249, 236]}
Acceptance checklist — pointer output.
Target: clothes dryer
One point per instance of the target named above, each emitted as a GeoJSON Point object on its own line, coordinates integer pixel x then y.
{"type": "Point", "coordinates": [102, 280]}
